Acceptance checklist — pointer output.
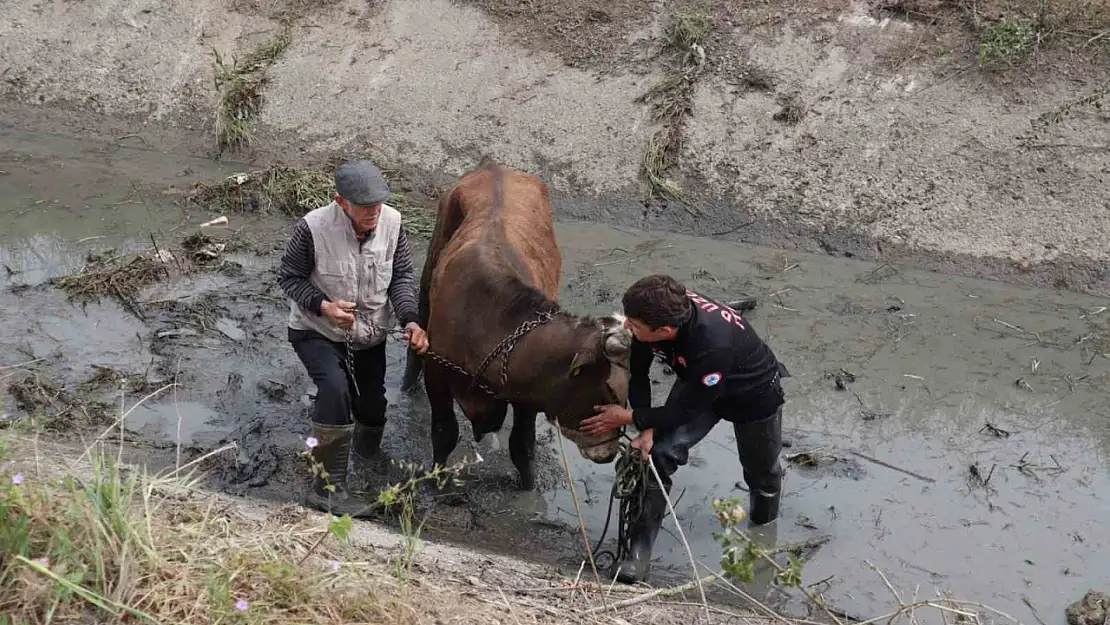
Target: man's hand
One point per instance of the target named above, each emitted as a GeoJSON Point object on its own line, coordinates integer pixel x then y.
{"type": "Point", "coordinates": [416, 337]}
{"type": "Point", "coordinates": [607, 419]}
{"type": "Point", "coordinates": [341, 312]}
{"type": "Point", "coordinates": [644, 441]}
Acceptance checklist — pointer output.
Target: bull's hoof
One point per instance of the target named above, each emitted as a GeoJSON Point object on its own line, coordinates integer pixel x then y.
{"type": "Point", "coordinates": [527, 480]}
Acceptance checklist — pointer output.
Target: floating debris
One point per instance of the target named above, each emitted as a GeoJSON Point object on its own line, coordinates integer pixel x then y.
{"type": "Point", "coordinates": [107, 274]}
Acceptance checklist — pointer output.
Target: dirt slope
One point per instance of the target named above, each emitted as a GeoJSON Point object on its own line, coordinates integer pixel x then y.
{"type": "Point", "coordinates": [854, 128]}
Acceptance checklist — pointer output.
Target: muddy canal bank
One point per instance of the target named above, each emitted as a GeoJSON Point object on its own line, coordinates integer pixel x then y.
{"type": "Point", "coordinates": [966, 450]}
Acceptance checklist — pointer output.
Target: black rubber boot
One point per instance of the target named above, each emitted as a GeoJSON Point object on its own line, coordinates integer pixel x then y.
{"type": "Point", "coordinates": [764, 507]}
{"type": "Point", "coordinates": [760, 444]}
{"type": "Point", "coordinates": [367, 441]}
{"type": "Point", "coordinates": [332, 450]}
{"type": "Point", "coordinates": [636, 566]}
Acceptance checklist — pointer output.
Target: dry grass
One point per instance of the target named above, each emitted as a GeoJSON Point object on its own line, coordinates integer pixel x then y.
{"type": "Point", "coordinates": [109, 274]}
{"type": "Point", "coordinates": [121, 544]}
{"type": "Point", "coordinates": [671, 100]}
{"type": "Point", "coordinates": [240, 87]}
{"type": "Point", "coordinates": [98, 541]}
{"type": "Point", "coordinates": [1006, 33]}
{"type": "Point", "coordinates": [294, 191]}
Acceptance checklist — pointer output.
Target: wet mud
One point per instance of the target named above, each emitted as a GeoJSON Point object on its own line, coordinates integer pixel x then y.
{"type": "Point", "coordinates": [952, 432]}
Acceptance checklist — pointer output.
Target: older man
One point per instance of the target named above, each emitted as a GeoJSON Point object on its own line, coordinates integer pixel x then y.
{"type": "Point", "coordinates": [348, 274]}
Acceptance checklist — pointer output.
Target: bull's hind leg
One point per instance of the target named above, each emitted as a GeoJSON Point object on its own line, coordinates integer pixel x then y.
{"type": "Point", "coordinates": [522, 445]}
{"type": "Point", "coordinates": [445, 428]}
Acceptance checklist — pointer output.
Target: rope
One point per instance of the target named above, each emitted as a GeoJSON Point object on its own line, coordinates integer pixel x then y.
{"type": "Point", "coordinates": [629, 487]}
{"type": "Point", "coordinates": [630, 484]}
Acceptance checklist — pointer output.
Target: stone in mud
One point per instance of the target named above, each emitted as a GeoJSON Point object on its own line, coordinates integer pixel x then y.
{"type": "Point", "coordinates": [1092, 609]}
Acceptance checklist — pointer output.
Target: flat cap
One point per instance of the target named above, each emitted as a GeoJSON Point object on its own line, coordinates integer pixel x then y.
{"type": "Point", "coordinates": [361, 182]}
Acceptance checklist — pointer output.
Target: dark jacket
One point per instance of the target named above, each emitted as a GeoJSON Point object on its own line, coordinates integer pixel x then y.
{"type": "Point", "coordinates": [720, 359]}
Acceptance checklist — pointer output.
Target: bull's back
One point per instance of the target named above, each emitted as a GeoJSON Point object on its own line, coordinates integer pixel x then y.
{"type": "Point", "coordinates": [507, 212]}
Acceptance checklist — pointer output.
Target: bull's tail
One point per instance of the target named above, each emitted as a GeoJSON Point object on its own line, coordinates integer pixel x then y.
{"type": "Point", "coordinates": [414, 366]}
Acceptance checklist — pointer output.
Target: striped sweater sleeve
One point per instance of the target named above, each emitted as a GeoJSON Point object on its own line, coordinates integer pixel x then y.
{"type": "Point", "coordinates": [297, 264]}
{"type": "Point", "coordinates": [402, 287]}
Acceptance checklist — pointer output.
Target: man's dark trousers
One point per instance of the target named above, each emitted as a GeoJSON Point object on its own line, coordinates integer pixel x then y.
{"type": "Point", "coordinates": [336, 395]}
{"type": "Point", "coordinates": [758, 442]}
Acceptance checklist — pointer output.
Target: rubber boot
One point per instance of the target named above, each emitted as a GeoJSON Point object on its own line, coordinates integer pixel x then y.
{"type": "Point", "coordinates": [636, 566]}
{"type": "Point", "coordinates": [332, 450]}
{"type": "Point", "coordinates": [367, 441]}
{"type": "Point", "coordinates": [760, 444]}
{"type": "Point", "coordinates": [764, 507]}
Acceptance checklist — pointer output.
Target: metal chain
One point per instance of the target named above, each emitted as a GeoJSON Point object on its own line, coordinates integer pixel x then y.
{"type": "Point", "coordinates": [348, 341]}
{"type": "Point", "coordinates": [504, 348]}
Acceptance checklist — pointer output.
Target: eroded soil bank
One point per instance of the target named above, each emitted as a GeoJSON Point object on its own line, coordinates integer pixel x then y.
{"type": "Point", "coordinates": [966, 451]}
{"type": "Point", "coordinates": [861, 128]}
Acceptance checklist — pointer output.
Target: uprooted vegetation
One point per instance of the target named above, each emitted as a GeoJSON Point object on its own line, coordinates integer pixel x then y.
{"type": "Point", "coordinates": [123, 277]}
{"type": "Point", "coordinates": [293, 192]}
{"type": "Point", "coordinates": [240, 87]}
{"type": "Point", "coordinates": [57, 408]}
{"type": "Point", "coordinates": [110, 274]}
{"type": "Point", "coordinates": [671, 100]}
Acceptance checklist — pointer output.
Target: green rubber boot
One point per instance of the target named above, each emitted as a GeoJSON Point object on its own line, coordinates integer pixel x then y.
{"type": "Point", "coordinates": [333, 450]}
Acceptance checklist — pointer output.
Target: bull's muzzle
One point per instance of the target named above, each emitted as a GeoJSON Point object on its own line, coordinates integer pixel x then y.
{"type": "Point", "coordinates": [597, 449]}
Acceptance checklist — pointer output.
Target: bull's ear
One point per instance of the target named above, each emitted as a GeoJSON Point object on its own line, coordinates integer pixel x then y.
{"type": "Point", "coordinates": [581, 359]}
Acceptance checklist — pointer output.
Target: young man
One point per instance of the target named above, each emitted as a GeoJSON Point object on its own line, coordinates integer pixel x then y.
{"type": "Point", "coordinates": [348, 274]}
{"type": "Point", "coordinates": [724, 371]}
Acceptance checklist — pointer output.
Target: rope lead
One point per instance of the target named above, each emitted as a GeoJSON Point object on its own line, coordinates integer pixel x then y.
{"type": "Point", "coordinates": [629, 486]}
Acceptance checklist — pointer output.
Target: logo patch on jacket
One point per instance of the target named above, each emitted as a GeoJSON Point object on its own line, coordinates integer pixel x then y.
{"type": "Point", "coordinates": [680, 360]}
{"type": "Point", "coordinates": [711, 379]}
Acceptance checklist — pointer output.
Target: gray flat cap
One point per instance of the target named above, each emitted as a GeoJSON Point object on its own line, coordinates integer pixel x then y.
{"type": "Point", "coordinates": [360, 182]}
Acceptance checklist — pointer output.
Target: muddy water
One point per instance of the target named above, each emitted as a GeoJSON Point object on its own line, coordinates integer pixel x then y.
{"type": "Point", "coordinates": [932, 360]}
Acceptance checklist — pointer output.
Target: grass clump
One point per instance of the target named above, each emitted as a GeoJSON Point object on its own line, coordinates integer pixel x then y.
{"type": "Point", "coordinates": [240, 87]}
{"type": "Point", "coordinates": [1006, 41]}
{"type": "Point", "coordinates": [672, 99]}
{"type": "Point", "coordinates": [124, 545]}
{"type": "Point", "coordinates": [1026, 27]}
{"type": "Point", "coordinates": [293, 192]}
{"type": "Point", "coordinates": [119, 543]}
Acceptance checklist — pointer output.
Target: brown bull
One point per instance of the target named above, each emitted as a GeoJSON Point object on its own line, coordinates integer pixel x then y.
{"type": "Point", "coordinates": [497, 337]}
